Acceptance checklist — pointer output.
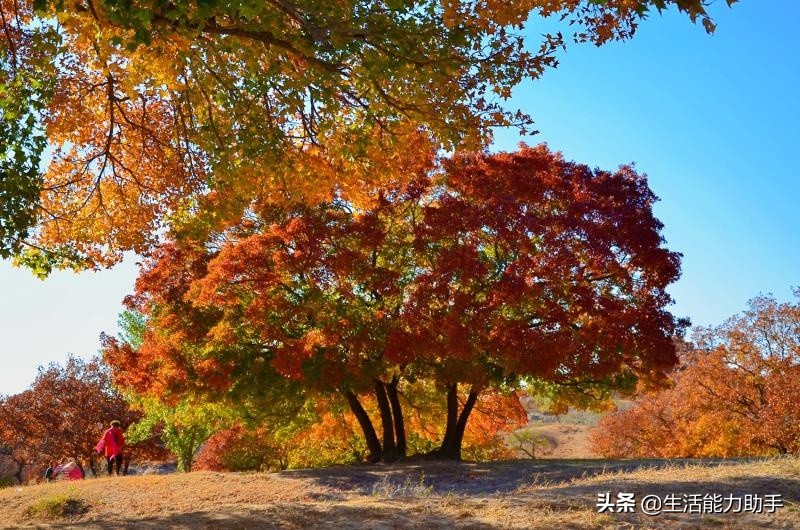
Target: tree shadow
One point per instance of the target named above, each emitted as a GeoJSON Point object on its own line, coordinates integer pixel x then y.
{"type": "Point", "coordinates": [522, 492]}
{"type": "Point", "coordinates": [585, 495]}
{"type": "Point", "coordinates": [465, 478]}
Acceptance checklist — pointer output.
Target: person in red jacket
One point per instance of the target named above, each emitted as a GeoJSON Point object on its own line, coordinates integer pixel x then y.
{"type": "Point", "coordinates": [111, 443]}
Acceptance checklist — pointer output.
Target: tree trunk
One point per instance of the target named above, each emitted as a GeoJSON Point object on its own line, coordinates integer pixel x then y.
{"type": "Point", "coordinates": [373, 444]}
{"type": "Point", "coordinates": [80, 466]}
{"type": "Point", "coordinates": [390, 453]}
{"type": "Point", "coordinates": [397, 415]}
{"type": "Point", "coordinates": [462, 422]}
{"type": "Point", "coordinates": [184, 447]}
{"type": "Point", "coordinates": [445, 451]}
{"type": "Point", "coordinates": [456, 423]}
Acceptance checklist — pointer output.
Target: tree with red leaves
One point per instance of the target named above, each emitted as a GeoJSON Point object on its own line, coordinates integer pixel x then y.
{"type": "Point", "coordinates": [541, 268]}
{"type": "Point", "coordinates": [63, 414]}
{"type": "Point", "coordinates": [500, 268]}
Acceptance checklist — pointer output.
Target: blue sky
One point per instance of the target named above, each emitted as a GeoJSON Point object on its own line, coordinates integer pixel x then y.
{"type": "Point", "coordinates": [713, 121]}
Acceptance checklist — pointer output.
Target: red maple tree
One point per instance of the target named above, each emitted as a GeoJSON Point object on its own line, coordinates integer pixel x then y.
{"type": "Point", "coordinates": [498, 268]}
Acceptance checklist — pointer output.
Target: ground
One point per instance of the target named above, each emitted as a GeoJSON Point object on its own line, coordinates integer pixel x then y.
{"type": "Point", "coordinates": [415, 494]}
{"type": "Point", "coordinates": [563, 435]}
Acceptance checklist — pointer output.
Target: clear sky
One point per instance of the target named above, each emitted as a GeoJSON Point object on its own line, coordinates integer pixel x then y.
{"type": "Point", "coordinates": [713, 121]}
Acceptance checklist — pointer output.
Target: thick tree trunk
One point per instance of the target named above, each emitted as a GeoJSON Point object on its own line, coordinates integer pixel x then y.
{"type": "Point", "coordinates": [452, 422]}
{"type": "Point", "coordinates": [456, 423]}
{"type": "Point", "coordinates": [390, 452]}
{"type": "Point", "coordinates": [78, 463]}
{"type": "Point", "coordinates": [373, 444]}
{"type": "Point", "coordinates": [462, 422]}
{"type": "Point", "coordinates": [397, 415]}
{"type": "Point", "coordinates": [93, 465]}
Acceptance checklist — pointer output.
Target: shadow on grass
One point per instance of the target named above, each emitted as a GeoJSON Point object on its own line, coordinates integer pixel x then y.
{"type": "Point", "coordinates": [479, 478]}
{"type": "Point", "coordinates": [530, 506]}
{"type": "Point", "coordinates": [784, 514]}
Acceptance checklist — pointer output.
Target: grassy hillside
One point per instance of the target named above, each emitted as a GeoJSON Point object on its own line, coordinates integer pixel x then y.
{"type": "Point", "coordinates": [516, 494]}
{"type": "Point", "coordinates": [558, 436]}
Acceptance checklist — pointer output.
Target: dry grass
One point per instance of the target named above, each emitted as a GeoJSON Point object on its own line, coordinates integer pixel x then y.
{"type": "Point", "coordinates": [518, 494]}
{"type": "Point", "coordinates": [63, 505]}
{"type": "Point", "coordinates": [564, 440]}
{"type": "Point", "coordinates": [563, 435]}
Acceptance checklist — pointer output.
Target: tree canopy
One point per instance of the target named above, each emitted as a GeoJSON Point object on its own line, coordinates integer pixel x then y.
{"type": "Point", "coordinates": [500, 267]}
{"type": "Point", "coordinates": [122, 119]}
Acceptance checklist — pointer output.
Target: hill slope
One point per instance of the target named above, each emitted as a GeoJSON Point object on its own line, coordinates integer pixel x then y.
{"type": "Point", "coordinates": [414, 494]}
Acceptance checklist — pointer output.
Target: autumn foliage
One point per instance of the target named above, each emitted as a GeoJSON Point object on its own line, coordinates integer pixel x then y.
{"type": "Point", "coordinates": [307, 249]}
{"type": "Point", "coordinates": [62, 415]}
{"type": "Point", "coordinates": [320, 436]}
{"type": "Point", "coordinates": [182, 114]}
{"type": "Point", "coordinates": [736, 393]}
{"type": "Point", "coordinates": [502, 267]}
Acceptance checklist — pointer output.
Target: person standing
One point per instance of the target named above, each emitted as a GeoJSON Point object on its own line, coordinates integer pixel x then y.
{"type": "Point", "coordinates": [111, 443]}
{"type": "Point", "coordinates": [48, 473]}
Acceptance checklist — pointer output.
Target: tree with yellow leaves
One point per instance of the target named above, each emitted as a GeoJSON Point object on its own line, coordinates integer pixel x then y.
{"type": "Point", "coordinates": [122, 119]}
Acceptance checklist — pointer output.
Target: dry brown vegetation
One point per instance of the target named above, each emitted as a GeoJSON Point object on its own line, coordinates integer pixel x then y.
{"type": "Point", "coordinates": [558, 436]}
{"type": "Point", "coordinates": [415, 494]}
{"type": "Point", "coordinates": [564, 440]}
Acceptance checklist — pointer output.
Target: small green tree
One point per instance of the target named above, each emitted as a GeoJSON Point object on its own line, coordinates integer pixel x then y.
{"type": "Point", "coordinates": [183, 428]}
{"type": "Point", "coordinates": [531, 444]}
